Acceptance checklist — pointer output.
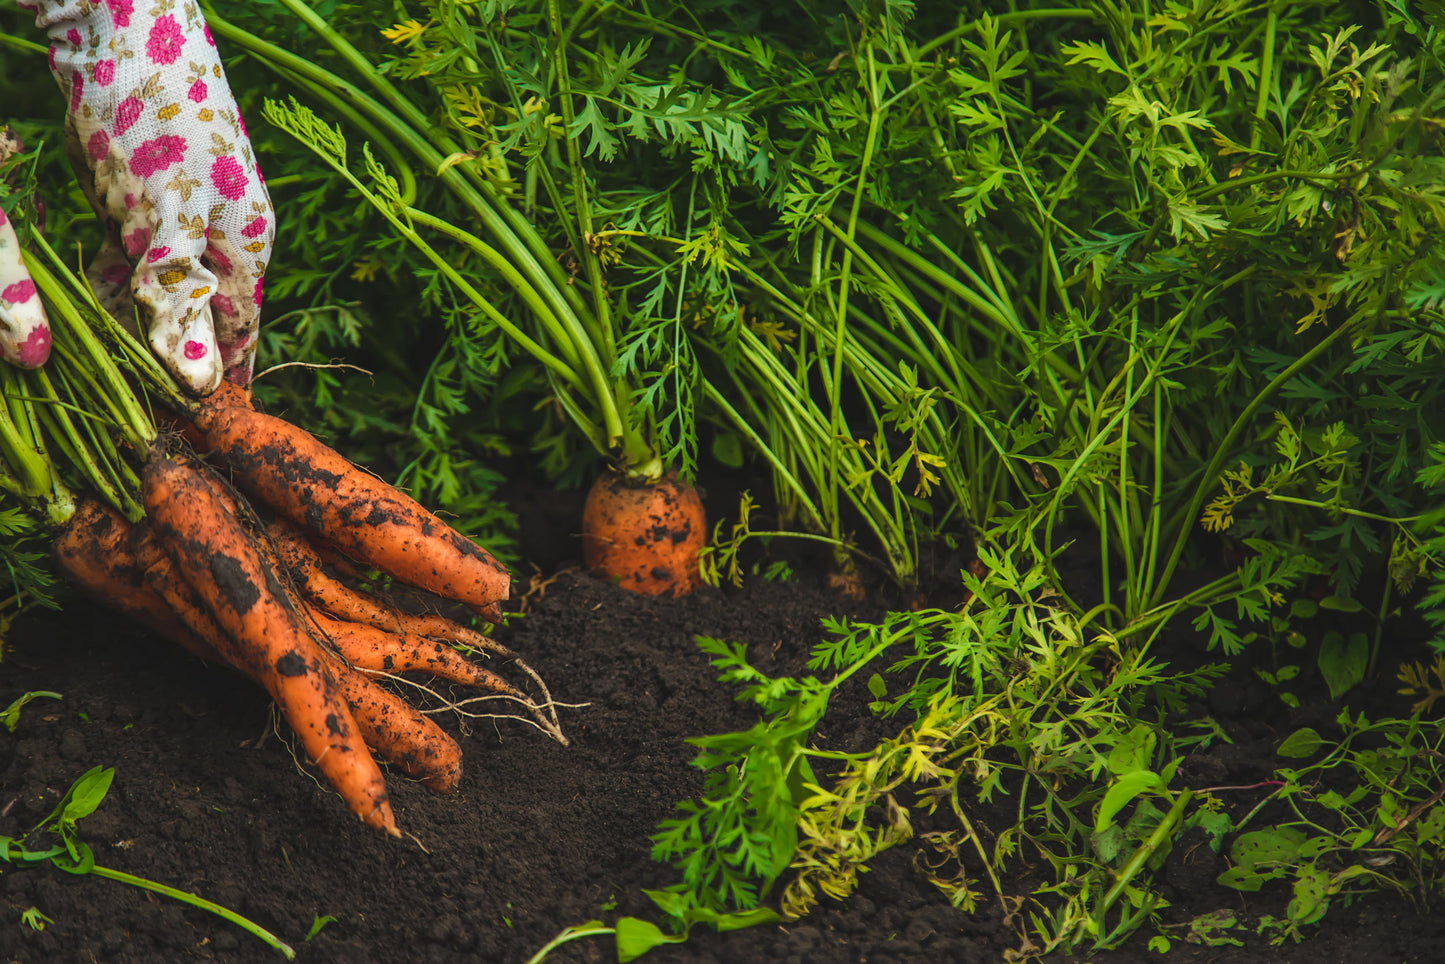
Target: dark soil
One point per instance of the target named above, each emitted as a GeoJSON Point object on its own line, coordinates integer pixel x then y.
{"type": "Point", "coordinates": [539, 837]}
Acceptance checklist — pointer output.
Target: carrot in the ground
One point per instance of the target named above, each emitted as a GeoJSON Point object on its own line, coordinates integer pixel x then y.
{"type": "Point", "coordinates": [312, 485]}
{"type": "Point", "coordinates": [645, 536]}
{"type": "Point", "coordinates": [401, 734]}
{"type": "Point", "coordinates": [269, 641]}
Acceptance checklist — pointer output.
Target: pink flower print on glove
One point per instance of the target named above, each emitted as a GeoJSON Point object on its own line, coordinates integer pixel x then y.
{"type": "Point", "coordinates": [161, 149]}
{"type": "Point", "coordinates": [24, 329]}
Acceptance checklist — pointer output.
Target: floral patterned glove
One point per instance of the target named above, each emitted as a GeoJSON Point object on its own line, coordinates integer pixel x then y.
{"type": "Point", "coordinates": [160, 147]}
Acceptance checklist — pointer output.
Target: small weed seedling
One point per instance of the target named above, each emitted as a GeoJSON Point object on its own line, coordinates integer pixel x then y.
{"type": "Point", "coordinates": [74, 856]}
{"type": "Point", "coordinates": [10, 716]}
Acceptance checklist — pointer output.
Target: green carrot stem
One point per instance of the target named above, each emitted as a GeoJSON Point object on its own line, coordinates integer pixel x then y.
{"type": "Point", "coordinates": [567, 338]}
{"type": "Point", "coordinates": [411, 125]}
{"type": "Point", "coordinates": [31, 471]}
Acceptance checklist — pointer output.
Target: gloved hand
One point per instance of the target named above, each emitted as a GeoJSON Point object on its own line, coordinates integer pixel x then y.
{"type": "Point", "coordinates": [160, 148]}
{"type": "Point", "coordinates": [24, 333]}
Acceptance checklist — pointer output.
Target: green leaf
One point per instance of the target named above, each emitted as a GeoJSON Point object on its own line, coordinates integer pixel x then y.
{"type": "Point", "coordinates": [1343, 604]}
{"type": "Point", "coordinates": [10, 716]}
{"type": "Point", "coordinates": [87, 794]}
{"type": "Point", "coordinates": [600, 140]}
{"type": "Point", "coordinates": [319, 921]}
{"type": "Point", "coordinates": [1343, 661]}
{"type": "Point", "coordinates": [1267, 849]}
{"type": "Point", "coordinates": [1303, 608]}
{"type": "Point", "coordinates": [636, 937]}
{"type": "Point", "coordinates": [1246, 878]}
{"type": "Point", "coordinates": [1311, 895]}
{"type": "Point", "coordinates": [1134, 751]}
{"type": "Point", "coordinates": [34, 919]}
{"type": "Point", "coordinates": [1108, 842]}
{"type": "Point", "coordinates": [1124, 790]}
{"type": "Point", "coordinates": [1217, 825]}
{"type": "Point", "coordinates": [1300, 744]}
{"type": "Point", "coordinates": [877, 687]}
{"type": "Point", "coordinates": [727, 448]}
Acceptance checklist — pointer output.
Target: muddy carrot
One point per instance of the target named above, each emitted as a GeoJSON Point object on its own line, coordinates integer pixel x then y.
{"type": "Point", "coordinates": [269, 641]}
{"type": "Point", "coordinates": [324, 591]}
{"type": "Point", "coordinates": [401, 734]}
{"type": "Point", "coordinates": [312, 485]}
{"type": "Point", "coordinates": [94, 550]}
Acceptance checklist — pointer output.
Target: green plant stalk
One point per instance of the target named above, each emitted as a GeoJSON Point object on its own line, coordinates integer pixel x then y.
{"type": "Point", "coordinates": [875, 117]}
{"type": "Point", "coordinates": [111, 479]}
{"type": "Point", "coordinates": [357, 119]}
{"type": "Point", "coordinates": [1266, 75]}
{"type": "Point", "coordinates": [1223, 451]}
{"type": "Point", "coordinates": [29, 469]}
{"type": "Point", "coordinates": [811, 436]}
{"type": "Point", "coordinates": [1147, 849]}
{"type": "Point", "coordinates": [132, 418]}
{"type": "Point", "coordinates": [555, 328]}
{"type": "Point", "coordinates": [198, 902]}
{"type": "Point", "coordinates": [872, 372]}
{"type": "Point", "coordinates": [519, 242]}
{"type": "Point", "coordinates": [583, 234]}
{"type": "Point", "coordinates": [517, 237]}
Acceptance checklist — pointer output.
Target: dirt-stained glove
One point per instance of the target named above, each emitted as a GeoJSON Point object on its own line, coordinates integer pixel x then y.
{"type": "Point", "coordinates": [160, 147]}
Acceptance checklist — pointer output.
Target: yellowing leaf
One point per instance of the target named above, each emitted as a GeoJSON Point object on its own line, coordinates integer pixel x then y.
{"type": "Point", "coordinates": [405, 31]}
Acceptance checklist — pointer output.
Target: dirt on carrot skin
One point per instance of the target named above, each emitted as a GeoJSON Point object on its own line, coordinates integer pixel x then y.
{"type": "Point", "coordinates": [538, 837]}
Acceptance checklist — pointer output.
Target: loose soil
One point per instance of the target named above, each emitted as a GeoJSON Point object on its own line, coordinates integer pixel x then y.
{"type": "Point", "coordinates": [539, 837]}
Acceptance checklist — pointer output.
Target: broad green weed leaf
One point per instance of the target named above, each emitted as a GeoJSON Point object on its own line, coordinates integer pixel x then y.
{"type": "Point", "coordinates": [1267, 848]}
{"type": "Point", "coordinates": [1311, 895]}
{"type": "Point", "coordinates": [88, 793]}
{"type": "Point", "coordinates": [1108, 842]}
{"type": "Point", "coordinates": [1129, 786]}
{"type": "Point", "coordinates": [636, 937]}
{"type": "Point", "coordinates": [1301, 743]}
{"type": "Point", "coordinates": [1246, 878]}
{"type": "Point", "coordinates": [1343, 661]}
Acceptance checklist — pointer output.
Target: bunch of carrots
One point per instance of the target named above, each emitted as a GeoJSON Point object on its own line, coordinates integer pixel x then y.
{"type": "Point", "coordinates": [237, 535]}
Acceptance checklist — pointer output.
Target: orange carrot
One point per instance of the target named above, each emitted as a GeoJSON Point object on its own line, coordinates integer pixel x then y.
{"type": "Point", "coordinates": [326, 592]}
{"type": "Point", "coordinates": [312, 485]}
{"type": "Point", "coordinates": [268, 640]}
{"type": "Point", "coordinates": [644, 536]}
{"type": "Point", "coordinates": [401, 734]}
{"type": "Point", "coordinates": [369, 648]}
{"type": "Point", "coordinates": [94, 550]}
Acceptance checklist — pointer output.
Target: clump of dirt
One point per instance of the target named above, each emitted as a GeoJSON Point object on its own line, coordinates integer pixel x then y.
{"type": "Point", "coordinates": [540, 836]}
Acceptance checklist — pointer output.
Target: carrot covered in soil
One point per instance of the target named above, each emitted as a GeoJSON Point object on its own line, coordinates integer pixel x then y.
{"type": "Point", "coordinates": [126, 567]}
{"type": "Point", "coordinates": [269, 641]}
{"type": "Point", "coordinates": [94, 551]}
{"type": "Point", "coordinates": [367, 647]}
{"type": "Point", "coordinates": [324, 591]}
{"type": "Point", "coordinates": [312, 485]}
{"type": "Point", "coordinates": [645, 536]}
{"type": "Point", "coordinates": [401, 733]}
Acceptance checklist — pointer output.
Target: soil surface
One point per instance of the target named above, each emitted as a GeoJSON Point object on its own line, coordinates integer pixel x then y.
{"type": "Point", "coordinates": [539, 837]}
